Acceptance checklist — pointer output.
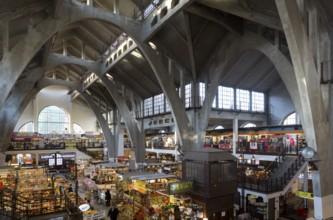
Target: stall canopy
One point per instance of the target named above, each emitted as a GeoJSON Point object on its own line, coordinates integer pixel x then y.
{"type": "Point", "coordinates": [153, 176]}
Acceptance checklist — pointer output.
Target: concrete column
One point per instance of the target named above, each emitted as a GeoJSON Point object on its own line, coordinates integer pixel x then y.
{"type": "Point", "coordinates": [305, 184]}
{"type": "Point", "coordinates": [35, 116]}
{"type": "Point", "coordinates": [277, 208]}
{"type": "Point", "coordinates": [5, 37]}
{"type": "Point", "coordinates": [109, 137]}
{"type": "Point", "coordinates": [37, 159]}
{"type": "Point", "coordinates": [64, 47]}
{"type": "Point", "coordinates": [83, 52]}
{"type": "Point", "coordinates": [301, 7]}
{"type": "Point", "coordinates": [314, 34]}
{"type": "Point", "coordinates": [107, 116]}
{"type": "Point", "coordinates": [235, 136]}
{"type": "Point", "coordinates": [118, 132]}
{"type": "Point", "coordinates": [121, 143]}
{"type": "Point", "coordinates": [90, 2]}
{"type": "Point", "coordinates": [277, 38]}
{"type": "Point", "coordinates": [116, 6]}
{"type": "Point", "coordinates": [235, 98]}
{"type": "Point", "coordinates": [250, 101]}
{"type": "Point", "coordinates": [314, 117]}
{"type": "Point", "coordinates": [70, 111]}
{"type": "Point", "coordinates": [195, 96]}
{"type": "Point", "coordinates": [170, 69]}
{"type": "Point", "coordinates": [182, 86]}
{"type": "Point", "coordinates": [67, 74]}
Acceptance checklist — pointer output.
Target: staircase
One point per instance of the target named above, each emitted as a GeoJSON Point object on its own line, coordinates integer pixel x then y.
{"type": "Point", "coordinates": [279, 179]}
{"type": "Point", "coordinates": [282, 167]}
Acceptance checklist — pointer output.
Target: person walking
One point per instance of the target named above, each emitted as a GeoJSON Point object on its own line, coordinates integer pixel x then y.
{"type": "Point", "coordinates": [113, 212]}
{"type": "Point", "coordinates": [107, 197]}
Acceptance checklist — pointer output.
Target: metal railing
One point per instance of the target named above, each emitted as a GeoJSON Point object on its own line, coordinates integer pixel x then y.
{"type": "Point", "coordinates": [14, 206]}
{"type": "Point", "coordinates": [270, 185]}
{"type": "Point", "coordinates": [275, 163]}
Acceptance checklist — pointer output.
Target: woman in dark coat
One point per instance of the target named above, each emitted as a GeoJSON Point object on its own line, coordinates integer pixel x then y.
{"type": "Point", "coordinates": [107, 197]}
{"type": "Point", "coordinates": [113, 213]}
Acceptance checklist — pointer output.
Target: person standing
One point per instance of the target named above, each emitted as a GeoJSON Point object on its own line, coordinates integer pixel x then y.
{"type": "Point", "coordinates": [70, 188]}
{"type": "Point", "coordinates": [107, 197]}
{"type": "Point", "coordinates": [88, 195]}
{"type": "Point", "coordinates": [113, 213]}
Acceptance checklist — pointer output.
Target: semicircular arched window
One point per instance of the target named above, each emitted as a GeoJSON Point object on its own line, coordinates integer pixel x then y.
{"type": "Point", "coordinates": [52, 119]}
{"type": "Point", "coordinates": [27, 127]}
{"type": "Point", "coordinates": [77, 129]}
{"type": "Point", "coordinates": [290, 119]}
{"type": "Point", "coordinates": [249, 125]}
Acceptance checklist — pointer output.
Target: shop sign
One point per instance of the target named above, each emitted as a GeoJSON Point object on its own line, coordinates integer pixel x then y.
{"type": "Point", "coordinates": [180, 187]}
{"type": "Point", "coordinates": [89, 170]}
{"type": "Point", "coordinates": [97, 215]}
{"type": "Point", "coordinates": [84, 207]}
{"type": "Point", "coordinates": [303, 194]}
{"type": "Point", "coordinates": [172, 199]}
{"type": "Point", "coordinates": [140, 186]}
{"type": "Point", "coordinates": [252, 196]}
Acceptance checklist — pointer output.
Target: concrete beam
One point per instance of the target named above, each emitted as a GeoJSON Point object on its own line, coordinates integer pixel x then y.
{"type": "Point", "coordinates": [45, 82]}
{"type": "Point", "coordinates": [55, 60]}
{"type": "Point", "coordinates": [232, 23]}
{"type": "Point", "coordinates": [155, 21]}
{"type": "Point", "coordinates": [236, 8]}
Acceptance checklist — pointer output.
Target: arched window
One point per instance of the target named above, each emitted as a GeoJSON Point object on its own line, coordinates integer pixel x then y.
{"type": "Point", "coordinates": [290, 119]}
{"type": "Point", "coordinates": [219, 127]}
{"type": "Point", "coordinates": [27, 127]}
{"type": "Point", "coordinates": [249, 125]}
{"type": "Point", "coordinates": [77, 129]}
{"type": "Point", "coordinates": [52, 119]}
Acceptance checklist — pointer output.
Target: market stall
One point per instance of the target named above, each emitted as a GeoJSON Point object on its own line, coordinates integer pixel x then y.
{"type": "Point", "coordinates": [143, 195]}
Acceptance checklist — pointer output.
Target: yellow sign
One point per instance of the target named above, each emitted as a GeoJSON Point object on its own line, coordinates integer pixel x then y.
{"type": "Point", "coordinates": [172, 199]}
{"type": "Point", "coordinates": [303, 194]}
{"type": "Point", "coordinates": [180, 187]}
{"type": "Point", "coordinates": [139, 186]}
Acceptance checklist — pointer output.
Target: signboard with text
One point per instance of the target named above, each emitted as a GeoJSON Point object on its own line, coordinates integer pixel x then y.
{"type": "Point", "coordinates": [308, 195]}
{"type": "Point", "coordinates": [180, 187]}
{"type": "Point", "coordinates": [140, 186]}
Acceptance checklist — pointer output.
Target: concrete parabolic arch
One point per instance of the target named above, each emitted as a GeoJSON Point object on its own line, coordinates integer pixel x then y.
{"type": "Point", "coordinates": [15, 105]}
{"type": "Point", "coordinates": [14, 61]}
{"type": "Point", "coordinates": [71, 12]}
{"type": "Point", "coordinates": [136, 136]}
{"type": "Point", "coordinates": [226, 57]}
{"type": "Point", "coordinates": [22, 95]}
{"type": "Point", "coordinates": [109, 137]}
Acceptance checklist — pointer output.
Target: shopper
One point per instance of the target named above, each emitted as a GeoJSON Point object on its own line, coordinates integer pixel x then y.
{"type": "Point", "coordinates": [88, 195]}
{"type": "Point", "coordinates": [177, 213]}
{"type": "Point", "coordinates": [107, 197]}
{"type": "Point", "coordinates": [113, 212]}
{"type": "Point", "coordinates": [91, 207]}
{"type": "Point", "coordinates": [70, 188]}
{"type": "Point", "coordinates": [139, 215]}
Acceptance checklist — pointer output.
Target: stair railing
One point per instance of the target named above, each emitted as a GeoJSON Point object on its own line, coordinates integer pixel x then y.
{"type": "Point", "coordinates": [269, 185]}
{"type": "Point", "coordinates": [275, 163]}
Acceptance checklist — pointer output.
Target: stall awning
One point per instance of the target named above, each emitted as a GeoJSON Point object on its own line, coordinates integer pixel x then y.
{"type": "Point", "coordinates": [153, 176]}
